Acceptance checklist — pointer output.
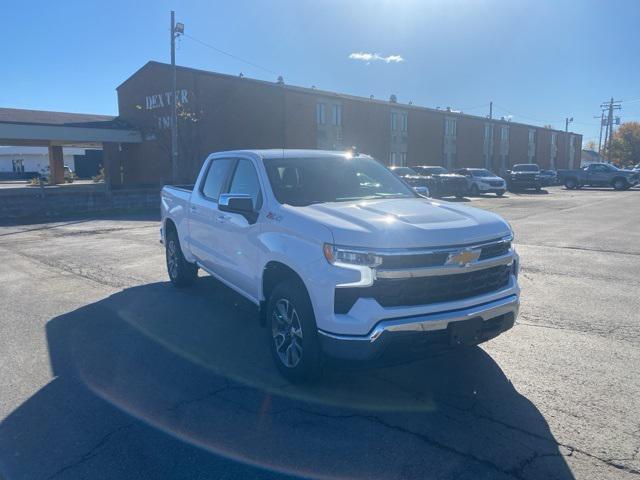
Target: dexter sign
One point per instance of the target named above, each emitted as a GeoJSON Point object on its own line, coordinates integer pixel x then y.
{"type": "Point", "coordinates": [160, 100]}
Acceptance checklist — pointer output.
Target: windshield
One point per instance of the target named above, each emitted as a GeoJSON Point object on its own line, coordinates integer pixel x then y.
{"type": "Point", "coordinates": [430, 170]}
{"type": "Point", "coordinates": [526, 167]}
{"type": "Point", "coordinates": [482, 173]}
{"type": "Point", "coordinates": [304, 181]}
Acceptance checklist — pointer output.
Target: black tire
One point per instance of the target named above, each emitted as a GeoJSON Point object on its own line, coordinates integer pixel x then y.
{"type": "Point", "coordinates": [181, 272]}
{"type": "Point", "coordinates": [474, 191]}
{"type": "Point", "coordinates": [619, 184]}
{"type": "Point", "coordinates": [293, 338]}
{"type": "Point", "coordinates": [499, 194]}
{"type": "Point", "coordinates": [570, 183]}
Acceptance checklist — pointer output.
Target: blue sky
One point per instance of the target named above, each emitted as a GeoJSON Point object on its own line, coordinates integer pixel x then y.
{"type": "Point", "coordinates": [539, 61]}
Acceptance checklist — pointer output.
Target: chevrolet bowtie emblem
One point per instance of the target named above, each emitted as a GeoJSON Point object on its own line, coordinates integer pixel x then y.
{"type": "Point", "coordinates": [463, 257]}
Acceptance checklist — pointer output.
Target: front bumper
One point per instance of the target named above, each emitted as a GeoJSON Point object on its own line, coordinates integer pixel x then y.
{"type": "Point", "coordinates": [525, 183]}
{"type": "Point", "coordinates": [417, 335]}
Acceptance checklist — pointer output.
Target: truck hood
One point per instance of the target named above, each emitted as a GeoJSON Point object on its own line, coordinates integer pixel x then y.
{"type": "Point", "coordinates": [405, 223]}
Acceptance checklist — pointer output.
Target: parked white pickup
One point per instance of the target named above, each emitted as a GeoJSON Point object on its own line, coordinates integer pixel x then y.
{"type": "Point", "coordinates": [343, 259]}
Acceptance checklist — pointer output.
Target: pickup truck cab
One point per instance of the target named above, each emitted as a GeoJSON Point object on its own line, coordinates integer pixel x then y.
{"type": "Point", "coordinates": [599, 175]}
{"type": "Point", "coordinates": [343, 259]}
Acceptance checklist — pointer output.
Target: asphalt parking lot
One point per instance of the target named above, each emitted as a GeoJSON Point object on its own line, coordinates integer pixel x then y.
{"type": "Point", "coordinates": [106, 371]}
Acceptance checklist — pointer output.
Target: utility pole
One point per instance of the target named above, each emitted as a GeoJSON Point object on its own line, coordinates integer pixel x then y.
{"type": "Point", "coordinates": [490, 110]}
{"type": "Point", "coordinates": [601, 117]}
{"type": "Point", "coordinates": [611, 105]}
{"type": "Point", "coordinates": [177, 29]}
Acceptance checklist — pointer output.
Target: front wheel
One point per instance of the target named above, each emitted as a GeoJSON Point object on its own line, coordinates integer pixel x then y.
{"type": "Point", "coordinates": [474, 191]}
{"type": "Point", "coordinates": [571, 183]}
{"type": "Point", "coordinates": [292, 333]}
{"type": "Point", "coordinates": [181, 272]}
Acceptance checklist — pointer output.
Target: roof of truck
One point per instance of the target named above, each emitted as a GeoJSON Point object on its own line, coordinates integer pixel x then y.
{"type": "Point", "coordinates": [289, 153]}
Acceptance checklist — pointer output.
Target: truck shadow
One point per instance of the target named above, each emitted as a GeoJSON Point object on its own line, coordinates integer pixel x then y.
{"type": "Point", "coordinates": [165, 383]}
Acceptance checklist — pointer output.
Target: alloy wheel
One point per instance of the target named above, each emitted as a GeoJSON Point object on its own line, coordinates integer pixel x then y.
{"type": "Point", "coordinates": [172, 259]}
{"type": "Point", "coordinates": [286, 329]}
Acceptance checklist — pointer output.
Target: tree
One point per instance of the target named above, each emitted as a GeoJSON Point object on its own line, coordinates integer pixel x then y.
{"type": "Point", "coordinates": [591, 145]}
{"type": "Point", "coordinates": [625, 147]}
{"type": "Point", "coordinates": [189, 160]}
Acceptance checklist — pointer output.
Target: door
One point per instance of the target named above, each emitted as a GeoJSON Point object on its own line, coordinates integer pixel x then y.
{"type": "Point", "coordinates": [238, 236]}
{"type": "Point", "coordinates": [204, 217]}
{"type": "Point", "coordinates": [598, 175]}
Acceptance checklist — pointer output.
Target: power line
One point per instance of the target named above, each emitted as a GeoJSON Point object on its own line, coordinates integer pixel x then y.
{"type": "Point", "coordinates": [268, 70]}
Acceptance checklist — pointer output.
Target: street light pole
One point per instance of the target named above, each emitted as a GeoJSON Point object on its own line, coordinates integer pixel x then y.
{"type": "Point", "coordinates": [176, 30]}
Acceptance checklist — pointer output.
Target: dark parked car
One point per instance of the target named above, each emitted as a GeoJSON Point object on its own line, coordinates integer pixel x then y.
{"type": "Point", "coordinates": [548, 178]}
{"type": "Point", "coordinates": [524, 175]}
{"type": "Point", "coordinates": [599, 175]}
{"type": "Point", "coordinates": [444, 184]}
{"type": "Point", "coordinates": [418, 182]}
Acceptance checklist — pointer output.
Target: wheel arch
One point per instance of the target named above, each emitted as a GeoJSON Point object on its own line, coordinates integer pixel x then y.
{"type": "Point", "coordinates": [273, 273]}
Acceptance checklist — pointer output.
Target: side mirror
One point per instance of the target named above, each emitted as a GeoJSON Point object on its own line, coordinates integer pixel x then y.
{"type": "Point", "coordinates": [422, 191]}
{"type": "Point", "coordinates": [240, 203]}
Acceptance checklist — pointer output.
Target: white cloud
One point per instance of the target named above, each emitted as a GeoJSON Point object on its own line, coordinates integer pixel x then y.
{"type": "Point", "coordinates": [375, 57]}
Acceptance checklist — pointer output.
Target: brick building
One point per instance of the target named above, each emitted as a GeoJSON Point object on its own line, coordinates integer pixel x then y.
{"type": "Point", "coordinates": [224, 112]}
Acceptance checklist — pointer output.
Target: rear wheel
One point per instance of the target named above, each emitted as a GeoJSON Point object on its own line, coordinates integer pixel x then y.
{"type": "Point", "coordinates": [571, 183]}
{"type": "Point", "coordinates": [619, 184]}
{"type": "Point", "coordinates": [292, 332]}
{"type": "Point", "coordinates": [181, 272]}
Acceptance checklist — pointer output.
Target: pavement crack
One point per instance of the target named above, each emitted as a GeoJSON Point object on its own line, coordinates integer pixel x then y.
{"type": "Point", "coordinates": [93, 452]}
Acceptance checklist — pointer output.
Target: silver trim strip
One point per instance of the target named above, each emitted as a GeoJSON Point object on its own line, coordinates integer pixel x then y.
{"type": "Point", "coordinates": [434, 321]}
{"type": "Point", "coordinates": [423, 251]}
{"type": "Point", "coordinates": [445, 269]}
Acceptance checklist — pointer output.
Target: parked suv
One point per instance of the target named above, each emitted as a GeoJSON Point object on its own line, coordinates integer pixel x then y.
{"type": "Point", "coordinates": [444, 184]}
{"type": "Point", "coordinates": [342, 258]}
{"type": "Point", "coordinates": [524, 175]}
{"type": "Point", "coordinates": [480, 180]}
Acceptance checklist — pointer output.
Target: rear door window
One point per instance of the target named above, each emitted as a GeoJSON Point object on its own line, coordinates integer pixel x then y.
{"type": "Point", "coordinates": [216, 178]}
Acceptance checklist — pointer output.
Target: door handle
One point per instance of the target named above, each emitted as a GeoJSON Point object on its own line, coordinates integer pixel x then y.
{"type": "Point", "coordinates": [222, 218]}
{"type": "Point", "coordinates": [193, 208]}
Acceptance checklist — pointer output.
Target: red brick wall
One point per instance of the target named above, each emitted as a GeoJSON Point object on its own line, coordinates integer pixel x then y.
{"type": "Point", "coordinates": [426, 130]}
{"type": "Point", "coordinates": [235, 113]}
{"type": "Point", "coordinates": [470, 142]}
{"type": "Point", "coordinates": [367, 126]}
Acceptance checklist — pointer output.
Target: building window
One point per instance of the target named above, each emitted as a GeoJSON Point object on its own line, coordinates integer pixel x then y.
{"type": "Point", "coordinates": [399, 121]}
{"type": "Point", "coordinates": [532, 136]}
{"type": "Point", "coordinates": [336, 115]}
{"type": "Point", "coordinates": [320, 114]}
{"type": "Point", "coordinates": [504, 134]}
{"type": "Point", "coordinates": [487, 133]}
{"type": "Point", "coordinates": [450, 127]}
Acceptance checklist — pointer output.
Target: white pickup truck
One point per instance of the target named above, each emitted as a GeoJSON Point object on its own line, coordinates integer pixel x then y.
{"type": "Point", "coordinates": [343, 259]}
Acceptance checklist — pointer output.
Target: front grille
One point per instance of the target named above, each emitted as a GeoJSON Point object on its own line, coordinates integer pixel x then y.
{"type": "Point", "coordinates": [425, 290]}
{"type": "Point", "coordinates": [495, 250]}
{"type": "Point", "coordinates": [438, 259]}
{"type": "Point", "coordinates": [495, 183]}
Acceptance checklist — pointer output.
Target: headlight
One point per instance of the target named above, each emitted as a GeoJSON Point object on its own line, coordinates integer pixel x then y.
{"type": "Point", "coordinates": [341, 255]}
